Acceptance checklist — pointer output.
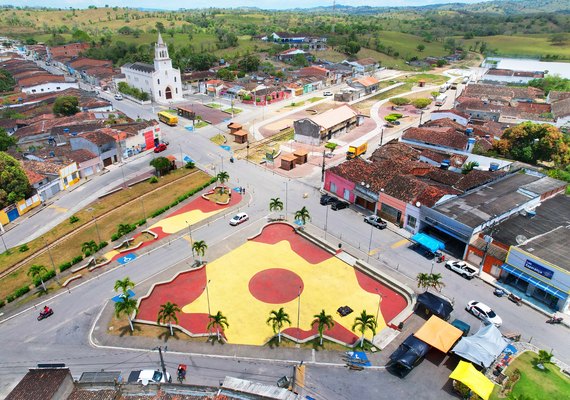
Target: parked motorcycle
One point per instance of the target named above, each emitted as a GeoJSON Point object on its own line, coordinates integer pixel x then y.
{"type": "Point", "coordinates": [46, 312]}
{"type": "Point", "coordinates": [515, 299]}
{"type": "Point", "coordinates": [499, 292]}
{"type": "Point", "coordinates": [555, 320]}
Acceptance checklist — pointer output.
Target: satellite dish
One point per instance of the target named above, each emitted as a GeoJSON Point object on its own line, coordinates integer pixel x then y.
{"type": "Point", "coordinates": [521, 239]}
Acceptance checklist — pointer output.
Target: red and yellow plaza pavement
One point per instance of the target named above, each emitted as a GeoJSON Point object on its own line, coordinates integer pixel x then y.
{"type": "Point", "coordinates": [264, 274]}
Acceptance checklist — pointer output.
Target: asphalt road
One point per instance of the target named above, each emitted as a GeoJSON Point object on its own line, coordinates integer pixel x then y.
{"type": "Point", "coordinates": [64, 337]}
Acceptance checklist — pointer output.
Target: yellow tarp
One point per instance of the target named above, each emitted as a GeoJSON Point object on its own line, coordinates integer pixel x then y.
{"type": "Point", "coordinates": [439, 334]}
{"type": "Point", "coordinates": [467, 374]}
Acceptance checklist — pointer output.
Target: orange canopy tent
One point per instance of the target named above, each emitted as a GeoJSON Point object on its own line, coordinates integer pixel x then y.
{"type": "Point", "coordinates": [439, 334]}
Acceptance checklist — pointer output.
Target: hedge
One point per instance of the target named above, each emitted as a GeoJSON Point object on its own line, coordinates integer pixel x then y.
{"type": "Point", "coordinates": [76, 260]}
{"type": "Point", "coordinates": [65, 266]}
{"type": "Point", "coordinates": [48, 275]}
{"type": "Point", "coordinates": [103, 244]}
{"type": "Point", "coordinates": [20, 292]}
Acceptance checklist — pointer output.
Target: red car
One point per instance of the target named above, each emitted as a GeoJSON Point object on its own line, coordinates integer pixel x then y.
{"type": "Point", "coordinates": [160, 147]}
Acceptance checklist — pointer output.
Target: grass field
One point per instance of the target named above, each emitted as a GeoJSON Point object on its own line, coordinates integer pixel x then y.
{"type": "Point", "coordinates": [71, 246]}
{"type": "Point", "coordinates": [534, 383]}
{"type": "Point", "coordinates": [528, 45]}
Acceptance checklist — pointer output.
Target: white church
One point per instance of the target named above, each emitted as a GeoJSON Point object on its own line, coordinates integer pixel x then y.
{"type": "Point", "coordinates": [160, 80]}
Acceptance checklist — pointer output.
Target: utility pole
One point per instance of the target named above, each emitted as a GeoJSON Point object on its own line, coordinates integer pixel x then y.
{"type": "Point", "coordinates": [382, 137]}
{"type": "Point", "coordinates": [162, 363]}
{"type": "Point", "coordinates": [323, 168]}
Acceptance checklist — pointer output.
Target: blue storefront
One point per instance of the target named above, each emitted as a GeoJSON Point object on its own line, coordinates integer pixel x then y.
{"type": "Point", "coordinates": [536, 280]}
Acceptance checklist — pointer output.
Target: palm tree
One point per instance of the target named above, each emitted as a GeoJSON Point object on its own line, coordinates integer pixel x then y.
{"type": "Point", "coordinates": [276, 204]}
{"type": "Point", "coordinates": [436, 281]}
{"type": "Point", "coordinates": [303, 215]}
{"type": "Point", "coordinates": [424, 280]}
{"type": "Point", "coordinates": [126, 306]}
{"type": "Point", "coordinates": [167, 314]}
{"type": "Point", "coordinates": [222, 177]}
{"type": "Point", "coordinates": [277, 319]}
{"type": "Point", "coordinates": [364, 322]}
{"type": "Point", "coordinates": [218, 321]}
{"type": "Point", "coordinates": [200, 247]}
{"type": "Point", "coordinates": [323, 320]}
{"type": "Point", "coordinates": [89, 246]}
{"type": "Point", "coordinates": [36, 271]}
{"type": "Point", "coordinates": [123, 286]}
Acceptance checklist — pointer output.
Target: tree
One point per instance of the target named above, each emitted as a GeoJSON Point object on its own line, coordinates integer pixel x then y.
{"type": "Point", "coordinates": [126, 306]}
{"type": "Point", "coordinates": [275, 204]}
{"type": "Point", "coordinates": [544, 357]}
{"type": "Point", "coordinates": [420, 47]}
{"type": "Point", "coordinates": [436, 281]}
{"type": "Point", "coordinates": [38, 271]}
{"type": "Point", "coordinates": [123, 285]}
{"type": "Point", "coordinates": [89, 247]}
{"type": "Point", "coordinates": [303, 215]}
{"type": "Point", "coordinates": [323, 319]}
{"type": "Point", "coordinates": [14, 184]}
{"type": "Point", "coordinates": [66, 106]}
{"type": "Point", "coordinates": [6, 141]}
{"type": "Point", "coordinates": [222, 177]}
{"type": "Point", "coordinates": [558, 39]}
{"type": "Point", "coordinates": [249, 63]}
{"type": "Point", "coordinates": [200, 247]}
{"type": "Point", "coordinates": [167, 314]}
{"type": "Point", "coordinates": [160, 27]}
{"type": "Point", "coordinates": [400, 101]}
{"type": "Point", "coordinates": [277, 319]}
{"type": "Point", "coordinates": [161, 165]}
{"type": "Point", "coordinates": [363, 323]}
{"type": "Point", "coordinates": [352, 48]}
{"type": "Point", "coordinates": [217, 321]}
{"type": "Point", "coordinates": [421, 103]}
{"type": "Point", "coordinates": [226, 74]}
{"type": "Point", "coordinates": [468, 167]}
{"type": "Point", "coordinates": [423, 280]}
{"type": "Point", "coordinates": [7, 81]}
{"type": "Point", "coordinates": [299, 60]}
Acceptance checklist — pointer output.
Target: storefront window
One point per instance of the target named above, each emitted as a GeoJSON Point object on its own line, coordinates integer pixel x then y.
{"type": "Point", "coordinates": [412, 221]}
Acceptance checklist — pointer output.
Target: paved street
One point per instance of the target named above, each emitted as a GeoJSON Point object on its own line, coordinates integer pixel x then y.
{"type": "Point", "coordinates": [65, 337]}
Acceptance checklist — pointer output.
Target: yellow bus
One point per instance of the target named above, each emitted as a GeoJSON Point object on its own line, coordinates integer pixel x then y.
{"type": "Point", "coordinates": [167, 118]}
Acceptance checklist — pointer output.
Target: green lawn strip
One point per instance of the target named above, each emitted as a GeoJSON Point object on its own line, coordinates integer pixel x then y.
{"type": "Point", "coordinates": [233, 110]}
{"type": "Point", "coordinates": [200, 124]}
{"type": "Point", "coordinates": [218, 139]}
{"type": "Point", "coordinates": [70, 247]}
{"type": "Point", "coordinates": [430, 79]}
{"type": "Point", "coordinates": [214, 105]}
{"type": "Point", "coordinates": [534, 383]}
{"type": "Point", "coordinates": [315, 99]}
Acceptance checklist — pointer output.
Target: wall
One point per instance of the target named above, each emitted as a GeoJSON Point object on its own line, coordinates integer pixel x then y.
{"type": "Point", "coordinates": [559, 277]}
{"type": "Point", "coordinates": [95, 164]}
{"type": "Point", "coordinates": [341, 184]}
{"type": "Point", "coordinates": [306, 131]}
{"type": "Point", "coordinates": [394, 203]}
{"type": "Point", "coordinates": [411, 211]}
{"type": "Point", "coordinates": [50, 87]}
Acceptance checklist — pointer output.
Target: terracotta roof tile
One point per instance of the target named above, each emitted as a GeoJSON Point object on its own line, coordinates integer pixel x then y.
{"type": "Point", "coordinates": [40, 384]}
{"type": "Point", "coordinates": [447, 137]}
{"type": "Point", "coordinates": [33, 176]}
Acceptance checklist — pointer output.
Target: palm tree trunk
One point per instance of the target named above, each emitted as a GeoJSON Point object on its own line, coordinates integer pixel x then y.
{"type": "Point", "coordinates": [218, 332]}
{"type": "Point", "coordinates": [43, 284]}
{"type": "Point", "coordinates": [279, 335]}
{"type": "Point", "coordinates": [131, 324]}
{"type": "Point", "coordinates": [170, 326]}
{"type": "Point", "coordinates": [321, 340]}
{"type": "Point", "coordinates": [362, 341]}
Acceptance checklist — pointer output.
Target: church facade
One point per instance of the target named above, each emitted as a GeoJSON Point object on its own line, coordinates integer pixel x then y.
{"type": "Point", "coordinates": [161, 81]}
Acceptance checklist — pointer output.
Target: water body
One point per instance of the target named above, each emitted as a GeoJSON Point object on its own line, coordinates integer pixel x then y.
{"type": "Point", "coordinates": [527, 64]}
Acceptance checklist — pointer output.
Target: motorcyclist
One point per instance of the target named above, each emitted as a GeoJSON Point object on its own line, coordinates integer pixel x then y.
{"type": "Point", "coordinates": [46, 310]}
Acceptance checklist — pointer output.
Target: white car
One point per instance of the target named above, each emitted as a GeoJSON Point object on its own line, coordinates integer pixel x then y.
{"type": "Point", "coordinates": [327, 93]}
{"type": "Point", "coordinates": [118, 96]}
{"type": "Point", "coordinates": [238, 219]}
{"type": "Point", "coordinates": [147, 376]}
{"type": "Point", "coordinates": [484, 313]}
{"type": "Point", "coordinates": [461, 268]}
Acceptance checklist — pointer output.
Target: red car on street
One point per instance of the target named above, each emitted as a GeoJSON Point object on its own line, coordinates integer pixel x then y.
{"type": "Point", "coordinates": [160, 147]}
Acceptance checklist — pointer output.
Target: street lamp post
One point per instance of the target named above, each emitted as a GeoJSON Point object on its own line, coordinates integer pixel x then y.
{"type": "Point", "coordinates": [51, 259]}
{"type": "Point", "coordinates": [144, 212]}
{"type": "Point", "coordinates": [370, 242]}
{"type": "Point", "coordinates": [286, 195]}
{"type": "Point", "coordinates": [299, 310]}
{"type": "Point", "coordinates": [3, 242]}
{"type": "Point", "coordinates": [382, 137]}
{"type": "Point", "coordinates": [326, 220]}
{"type": "Point", "coordinates": [96, 228]}
{"type": "Point", "coordinates": [379, 302]}
{"type": "Point", "coordinates": [190, 235]}
{"type": "Point", "coordinates": [208, 297]}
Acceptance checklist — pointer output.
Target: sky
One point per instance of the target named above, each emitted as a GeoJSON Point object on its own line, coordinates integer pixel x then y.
{"type": "Point", "coordinates": [265, 4]}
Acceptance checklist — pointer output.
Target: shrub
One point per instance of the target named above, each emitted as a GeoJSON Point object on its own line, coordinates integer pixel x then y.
{"type": "Point", "coordinates": [103, 244]}
{"type": "Point", "coordinates": [65, 266]}
{"type": "Point", "coordinates": [76, 260]}
{"type": "Point", "coordinates": [400, 101]}
{"type": "Point", "coordinates": [421, 103]}
{"type": "Point", "coordinates": [87, 253]}
{"type": "Point", "coordinates": [48, 275]}
{"type": "Point", "coordinates": [153, 179]}
{"type": "Point", "coordinates": [73, 219]}
{"type": "Point", "coordinates": [114, 237]}
{"type": "Point", "coordinates": [132, 91]}
{"type": "Point", "coordinates": [23, 248]}
{"type": "Point", "coordinates": [2, 303]}
{"type": "Point", "coordinates": [141, 222]}
{"type": "Point", "coordinates": [190, 165]}
{"type": "Point", "coordinates": [20, 292]}
{"type": "Point", "coordinates": [10, 298]}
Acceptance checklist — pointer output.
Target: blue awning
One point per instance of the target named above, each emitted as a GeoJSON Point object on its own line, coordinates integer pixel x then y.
{"type": "Point", "coordinates": [430, 243]}
{"type": "Point", "coordinates": [532, 280]}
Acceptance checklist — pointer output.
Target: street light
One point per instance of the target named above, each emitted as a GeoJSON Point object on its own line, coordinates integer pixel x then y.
{"type": "Point", "coordinates": [379, 302]}
{"type": "Point", "coordinates": [190, 234]}
{"type": "Point", "coordinates": [208, 297]}
{"type": "Point", "coordinates": [144, 212]}
{"type": "Point", "coordinates": [326, 220]}
{"type": "Point", "coordinates": [286, 195]}
{"type": "Point", "coordinates": [299, 311]}
{"type": "Point", "coordinates": [96, 227]}
{"type": "Point", "coordinates": [3, 242]}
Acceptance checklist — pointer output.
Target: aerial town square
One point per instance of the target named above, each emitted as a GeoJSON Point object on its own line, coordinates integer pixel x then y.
{"type": "Point", "coordinates": [300, 201]}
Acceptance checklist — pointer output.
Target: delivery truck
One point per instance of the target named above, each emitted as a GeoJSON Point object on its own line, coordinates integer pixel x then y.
{"type": "Point", "coordinates": [356, 149]}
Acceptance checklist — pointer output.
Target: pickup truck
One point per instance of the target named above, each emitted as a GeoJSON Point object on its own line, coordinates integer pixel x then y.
{"type": "Point", "coordinates": [461, 268]}
{"type": "Point", "coordinates": [147, 376]}
{"type": "Point", "coordinates": [376, 221]}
